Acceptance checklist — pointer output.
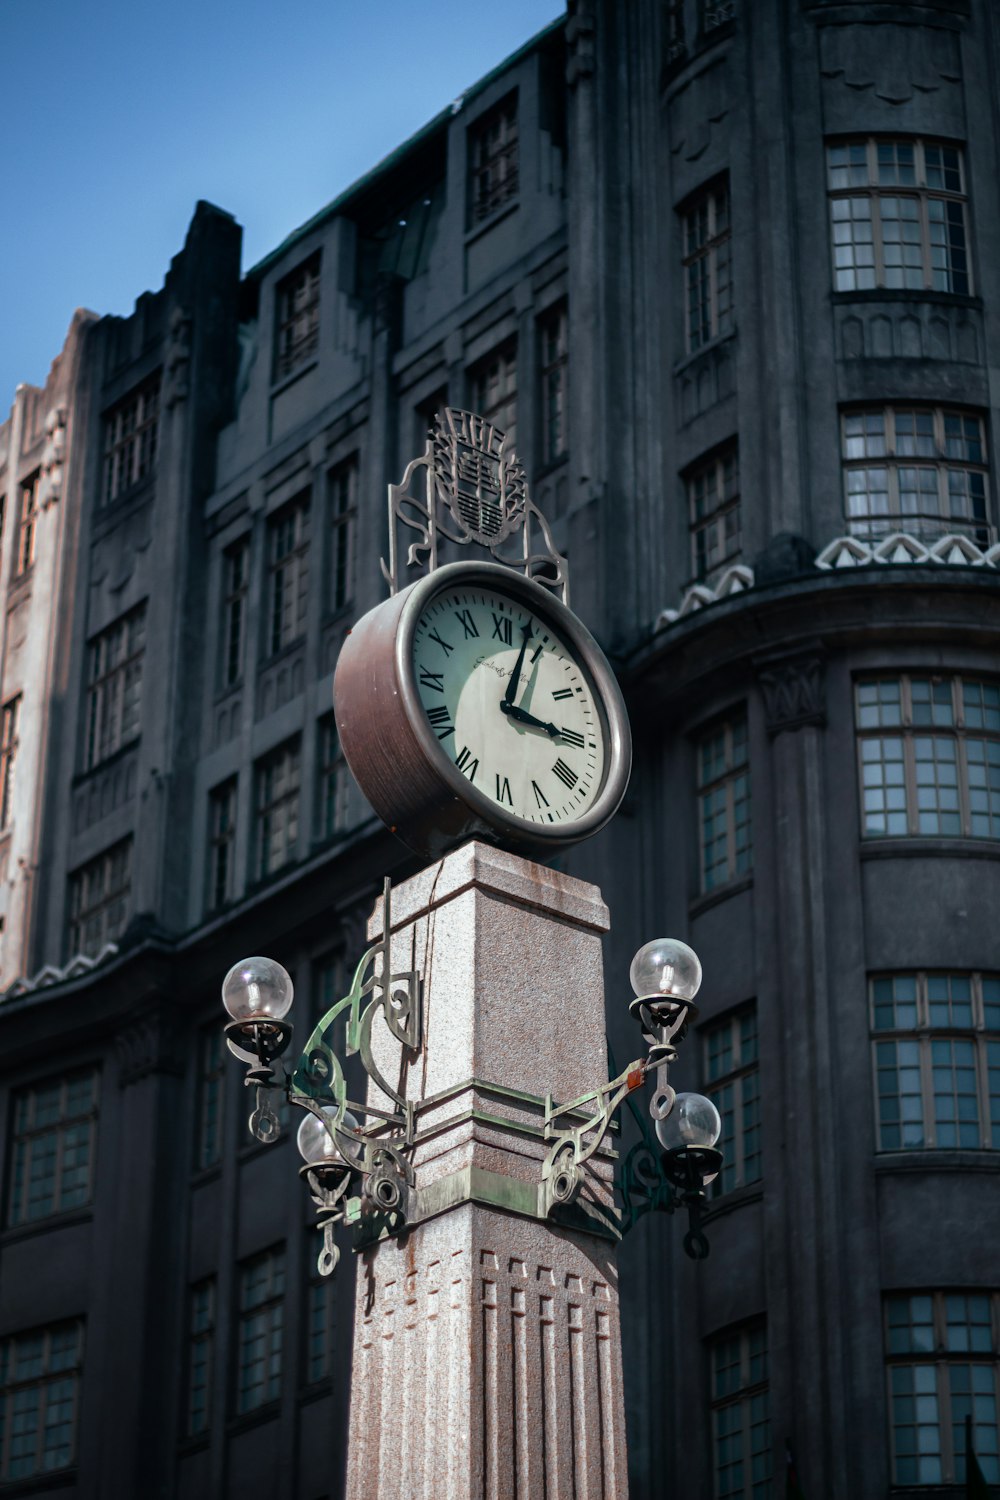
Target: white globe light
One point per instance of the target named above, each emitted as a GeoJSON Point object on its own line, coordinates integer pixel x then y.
{"type": "Point", "coordinates": [257, 989]}
{"type": "Point", "coordinates": [693, 1121]}
{"type": "Point", "coordinates": [316, 1143]}
{"type": "Point", "coordinates": [666, 967]}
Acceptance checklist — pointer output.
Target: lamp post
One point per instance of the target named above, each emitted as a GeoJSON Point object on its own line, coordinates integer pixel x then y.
{"type": "Point", "coordinates": [340, 1155]}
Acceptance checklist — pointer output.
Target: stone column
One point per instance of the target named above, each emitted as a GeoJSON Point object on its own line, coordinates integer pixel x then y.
{"type": "Point", "coordinates": [487, 1351]}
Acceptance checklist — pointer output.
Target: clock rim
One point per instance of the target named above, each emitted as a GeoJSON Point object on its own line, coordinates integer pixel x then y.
{"type": "Point", "coordinates": [609, 701]}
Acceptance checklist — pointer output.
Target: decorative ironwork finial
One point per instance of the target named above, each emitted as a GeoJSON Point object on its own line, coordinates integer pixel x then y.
{"type": "Point", "coordinates": [475, 492]}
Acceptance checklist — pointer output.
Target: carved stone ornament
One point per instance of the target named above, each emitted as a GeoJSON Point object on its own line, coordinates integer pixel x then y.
{"type": "Point", "coordinates": [794, 689]}
{"type": "Point", "coordinates": [178, 357]}
{"type": "Point", "coordinates": [53, 456]}
{"type": "Point", "coordinates": [474, 493]}
{"type": "Point", "coordinates": [149, 1044]}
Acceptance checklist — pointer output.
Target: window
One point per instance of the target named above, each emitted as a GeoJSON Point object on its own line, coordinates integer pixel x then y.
{"type": "Point", "coordinates": [297, 318]}
{"type": "Point", "coordinates": [221, 845]}
{"type": "Point", "coordinates": [897, 215]}
{"type": "Point", "coordinates": [114, 686]}
{"type": "Point", "coordinates": [235, 570]}
{"type": "Point", "coordinates": [320, 1331]}
{"type": "Point", "coordinates": [706, 230]}
{"type": "Point", "coordinates": [27, 521]}
{"type": "Point", "coordinates": [929, 750]}
{"type": "Point", "coordinates": [99, 900]}
{"type": "Point", "coordinates": [8, 755]}
{"type": "Point", "coordinates": [130, 435]}
{"type": "Point", "coordinates": [493, 165]}
{"type": "Point", "coordinates": [553, 333]}
{"type": "Point", "coordinates": [287, 574]}
{"type": "Point", "coordinates": [39, 1399]}
{"type": "Point", "coordinates": [919, 469]}
{"type": "Point", "coordinates": [52, 1147]}
{"type": "Point", "coordinates": [493, 388]}
{"type": "Point", "coordinates": [936, 1046]}
{"type": "Point", "coordinates": [724, 803]}
{"type": "Point", "coordinates": [733, 1085]}
{"type": "Point", "coordinates": [262, 1288]}
{"type": "Point", "coordinates": [714, 507]}
{"type": "Point", "coordinates": [343, 490]}
{"type": "Point", "coordinates": [741, 1428]}
{"type": "Point", "coordinates": [277, 809]}
{"type": "Point", "coordinates": [201, 1351]}
{"type": "Point", "coordinates": [334, 781]}
{"type": "Point", "coordinates": [942, 1363]}
{"type": "Point", "coordinates": [212, 1059]}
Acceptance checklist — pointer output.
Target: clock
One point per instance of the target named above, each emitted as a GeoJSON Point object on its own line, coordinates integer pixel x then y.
{"type": "Point", "coordinates": [475, 704]}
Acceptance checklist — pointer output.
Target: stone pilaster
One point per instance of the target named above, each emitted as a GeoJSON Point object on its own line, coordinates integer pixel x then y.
{"type": "Point", "coordinates": [487, 1356]}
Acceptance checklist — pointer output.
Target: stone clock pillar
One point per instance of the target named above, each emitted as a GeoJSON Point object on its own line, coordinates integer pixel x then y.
{"type": "Point", "coordinates": [487, 1353]}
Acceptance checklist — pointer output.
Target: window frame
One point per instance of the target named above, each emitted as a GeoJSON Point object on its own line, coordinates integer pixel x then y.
{"type": "Point", "coordinates": [907, 733]}
{"type": "Point", "coordinates": [201, 1337]}
{"type": "Point", "coordinates": [703, 260]}
{"type": "Point", "coordinates": [750, 1388]}
{"type": "Point", "coordinates": [498, 367]}
{"type": "Point", "coordinates": [16, 1207]}
{"type": "Point", "coordinates": [235, 592]}
{"type": "Point", "coordinates": [44, 1383]}
{"type": "Point", "coordinates": [875, 192]}
{"type": "Point", "coordinates": [725, 781]}
{"type": "Point", "coordinates": [874, 526]}
{"type": "Point", "coordinates": [333, 781]}
{"type": "Point", "coordinates": [112, 721]}
{"type": "Point", "coordinates": [943, 1360]}
{"type": "Point", "coordinates": [271, 1307]}
{"type": "Point", "coordinates": [9, 743]}
{"type": "Point", "coordinates": [286, 619]}
{"type": "Point", "coordinates": [742, 1069]}
{"type": "Point", "coordinates": [27, 524]}
{"type": "Point", "coordinates": [493, 170]}
{"type": "Point", "coordinates": [109, 898]}
{"type": "Point", "coordinates": [342, 506]}
{"type": "Point", "coordinates": [291, 751]}
{"type": "Point", "coordinates": [709, 561]}
{"type": "Point", "coordinates": [553, 383]}
{"type": "Point", "coordinates": [294, 349]}
{"type": "Point", "coordinates": [131, 429]}
{"type": "Point", "coordinates": [223, 811]}
{"type": "Point", "coordinates": [924, 1033]}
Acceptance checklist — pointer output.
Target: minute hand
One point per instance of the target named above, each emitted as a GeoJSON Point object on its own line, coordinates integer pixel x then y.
{"type": "Point", "coordinates": [521, 716]}
{"type": "Point", "coordinates": [515, 676]}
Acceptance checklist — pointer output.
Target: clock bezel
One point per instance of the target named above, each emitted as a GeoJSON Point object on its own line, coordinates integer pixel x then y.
{"type": "Point", "coordinates": [518, 831]}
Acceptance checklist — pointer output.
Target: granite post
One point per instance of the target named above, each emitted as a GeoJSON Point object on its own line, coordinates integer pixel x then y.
{"type": "Point", "coordinates": [487, 1351]}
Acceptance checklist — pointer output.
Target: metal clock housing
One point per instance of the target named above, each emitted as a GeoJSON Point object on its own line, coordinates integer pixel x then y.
{"type": "Point", "coordinates": [408, 770]}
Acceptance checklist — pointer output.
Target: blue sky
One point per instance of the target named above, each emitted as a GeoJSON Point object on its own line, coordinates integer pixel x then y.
{"type": "Point", "coordinates": [116, 120]}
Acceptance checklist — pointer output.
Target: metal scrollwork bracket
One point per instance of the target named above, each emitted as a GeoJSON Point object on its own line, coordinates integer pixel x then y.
{"type": "Point", "coordinates": [562, 1170]}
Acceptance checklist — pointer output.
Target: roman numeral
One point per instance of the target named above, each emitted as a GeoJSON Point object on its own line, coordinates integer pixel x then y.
{"type": "Point", "coordinates": [540, 798]}
{"type": "Point", "coordinates": [440, 717]}
{"type": "Point", "coordinates": [446, 647]}
{"type": "Point", "coordinates": [503, 629]}
{"type": "Point", "coordinates": [571, 737]}
{"type": "Point", "coordinates": [562, 770]}
{"type": "Point", "coordinates": [435, 680]}
{"type": "Point", "coordinates": [563, 693]}
{"type": "Point", "coordinates": [467, 763]}
{"type": "Point", "coordinates": [503, 791]}
{"type": "Point", "coordinates": [466, 621]}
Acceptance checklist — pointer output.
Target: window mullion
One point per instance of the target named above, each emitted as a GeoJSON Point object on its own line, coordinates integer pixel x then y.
{"type": "Point", "coordinates": [927, 1091]}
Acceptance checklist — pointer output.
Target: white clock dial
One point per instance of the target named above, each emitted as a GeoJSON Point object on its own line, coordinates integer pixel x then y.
{"type": "Point", "coordinates": [510, 704]}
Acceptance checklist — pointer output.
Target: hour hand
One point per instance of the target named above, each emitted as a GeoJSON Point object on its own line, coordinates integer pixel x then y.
{"type": "Point", "coordinates": [521, 716]}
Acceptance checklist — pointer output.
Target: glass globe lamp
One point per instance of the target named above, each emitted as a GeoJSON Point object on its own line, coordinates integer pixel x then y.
{"type": "Point", "coordinates": [257, 989]}
{"type": "Point", "coordinates": [689, 1133]}
{"type": "Point", "coordinates": [665, 969]}
{"type": "Point", "coordinates": [315, 1141]}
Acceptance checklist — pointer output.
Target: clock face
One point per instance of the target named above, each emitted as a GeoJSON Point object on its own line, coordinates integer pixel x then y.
{"type": "Point", "coordinates": [510, 704]}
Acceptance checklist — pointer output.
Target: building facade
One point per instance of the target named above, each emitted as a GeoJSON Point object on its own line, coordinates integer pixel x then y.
{"type": "Point", "coordinates": [728, 273]}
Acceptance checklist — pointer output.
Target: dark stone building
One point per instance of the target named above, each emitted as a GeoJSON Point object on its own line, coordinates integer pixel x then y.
{"type": "Point", "coordinates": [730, 272]}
